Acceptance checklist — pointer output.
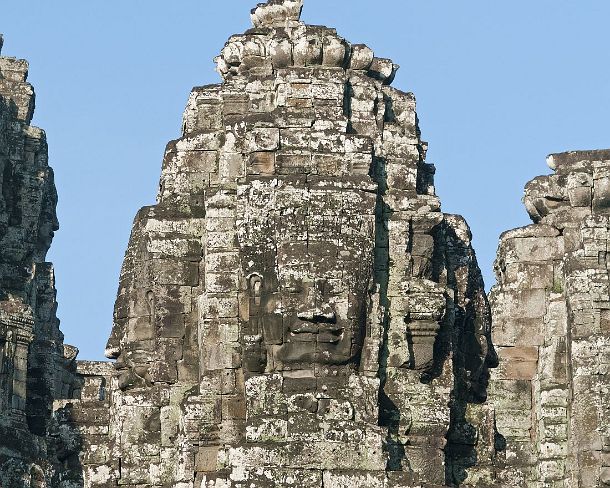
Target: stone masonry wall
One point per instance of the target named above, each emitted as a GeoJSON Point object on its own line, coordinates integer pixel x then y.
{"type": "Point", "coordinates": [297, 311]}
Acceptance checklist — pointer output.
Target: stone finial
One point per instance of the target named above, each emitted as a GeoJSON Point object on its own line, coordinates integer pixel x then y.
{"type": "Point", "coordinates": [276, 13]}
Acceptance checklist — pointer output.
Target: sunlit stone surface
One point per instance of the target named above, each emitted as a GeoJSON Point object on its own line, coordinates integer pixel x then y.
{"type": "Point", "coordinates": [551, 309]}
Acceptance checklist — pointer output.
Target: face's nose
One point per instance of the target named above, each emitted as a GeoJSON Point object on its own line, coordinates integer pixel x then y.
{"type": "Point", "coordinates": [112, 352]}
{"type": "Point", "coordinates": [113, 346]}
{"type": "Point", "coordinates": [55, 222]}
{"type": "Point", "coordinates": [320, 323]}
{"type": "Point", "coordinates": [315, 308]}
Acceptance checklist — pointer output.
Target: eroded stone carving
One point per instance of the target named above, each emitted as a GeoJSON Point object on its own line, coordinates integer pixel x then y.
{"type": "Point", "coordinates": [296, 310]}
{"type": "Point", "coordinates": [307, 247]}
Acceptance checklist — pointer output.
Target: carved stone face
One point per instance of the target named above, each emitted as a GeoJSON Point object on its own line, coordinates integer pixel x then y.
{"type": "Point", "coordinates": [132, 365]}
{"type": "Point", "coordinates": [307, 259]}
{"type": "Point", "coordinates": [132, 358]}
{"type": "Point", "coordinates": [307, 321]}
{"type": "Point", "coordinates": [132, 341]}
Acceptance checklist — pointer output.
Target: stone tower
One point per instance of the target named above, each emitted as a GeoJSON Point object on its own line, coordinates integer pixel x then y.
{"type": "Point", "coordinates": [296, 310]}
{"type": "Point", "coordinates": [35, 366]}
{"type": "Point", "coordinates": [551, 309]}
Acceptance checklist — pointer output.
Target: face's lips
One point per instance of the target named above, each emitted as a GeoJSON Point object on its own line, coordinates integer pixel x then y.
{"type": "Point", "coordinates": [125, 360]}
{"type": "Point", "coordinates": [304, 328]}
{"type": "Point", "coordinates": [314, 327]}
{"type": "Point", "coordinates": [119, 364]}
{"type": "Point", "coordinates": [317, 332]}
{"type": "Point", "coordinates": [120, 367]}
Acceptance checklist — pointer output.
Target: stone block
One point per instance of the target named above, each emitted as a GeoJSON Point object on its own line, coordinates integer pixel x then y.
{"type": "Point", "coordinates": [427, 463]}
{"type": "Point", "coordinates": [90, 413]}
{"type": "Point", "coordinates": [511, 332]}
{"type": "Point", "coordinates": [233, 407]}
{"type": "Point", "coordinates": [361, 57]}
{"type": "Point", "coordinates": [530, 275]}
{"type": "Point", "coordinates": [553, 362]}
{"type": "Point", "coordinates": [556, 319]}
{"type": "Point", "coordinates": [552, 470]}
{"type": "Point", "coordinates": [194, 162]}
{"type": "Point", "coordinates": [515, 394]}
{"type": "Point", "coordinates": [513, 424]}
{"type": "Point", "coordinates": [267, 430]}
{"type": "Point", "coordinates": [554, 398]}
{"type": "Point", "coordinates": [175, 272]}
{"type": "Point", "coordinates": [98, 454]}
{"type": "Point", "coordinates": [219, 307]}
{"type": "Point", "coordinates": [519, 363]}
{"type": "Point", "coordinates": [218, 283]}
{"type": "Point", "coordinates": [589, 468]}
{"type": "Point", "coordinates": [383, 70]}
{"type": "Point", "coordinates": [553, 450]}
{"type": "Point", "coordinates": [521, 304]}
{"type": "Point", "coordinates": [261, 163]}
{"type": "Point", "coordinates": [314, 455]}
{"type": "Point", "coordinates": [292, 163]}
{"type": "Point", "coordinates": [263, 139]}
{"type": "Point", "coordinates": [554, 415]}
{"type": "Point", "coordinates": [99, 476]}
{"type": "Point", "coordinates": [520, 455]}
{"type": "Point", "coordinates": [537, 248]}
{"type": "Point", "coordinates": [553, 432]}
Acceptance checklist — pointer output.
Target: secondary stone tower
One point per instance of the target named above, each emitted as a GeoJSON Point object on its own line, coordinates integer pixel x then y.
{"type": "Point", "coordinates": [35, 366]}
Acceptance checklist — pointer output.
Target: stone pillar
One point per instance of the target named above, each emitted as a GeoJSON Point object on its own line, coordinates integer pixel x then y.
{"type": "Point", "coordinates": [17, 336]}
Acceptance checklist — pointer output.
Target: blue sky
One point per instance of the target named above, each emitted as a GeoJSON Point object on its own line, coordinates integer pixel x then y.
{"type": "Point", "coordinates": [499, 86]}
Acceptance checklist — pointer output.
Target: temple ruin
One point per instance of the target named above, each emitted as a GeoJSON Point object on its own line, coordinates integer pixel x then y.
{"type": "Point", "coordinates": [297, 311]}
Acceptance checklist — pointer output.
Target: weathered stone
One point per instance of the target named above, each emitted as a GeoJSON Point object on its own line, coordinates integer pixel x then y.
{"type": "Point", "coordinates": [250, 326]}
